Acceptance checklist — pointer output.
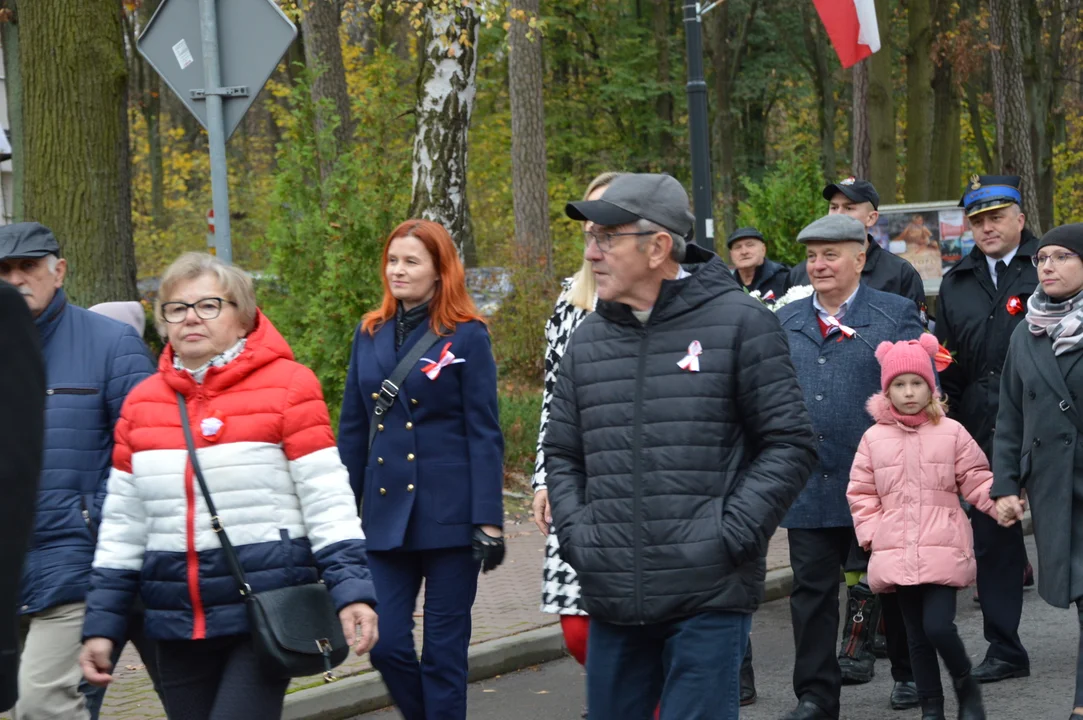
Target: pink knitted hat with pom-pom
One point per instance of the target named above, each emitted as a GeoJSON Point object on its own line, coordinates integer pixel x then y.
{"type": "Point", "coordinates": [908, 356]}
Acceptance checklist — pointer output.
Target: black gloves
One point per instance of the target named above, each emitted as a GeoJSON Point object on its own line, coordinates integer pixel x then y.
{"type": "Point", "coordinates": [489, 551]}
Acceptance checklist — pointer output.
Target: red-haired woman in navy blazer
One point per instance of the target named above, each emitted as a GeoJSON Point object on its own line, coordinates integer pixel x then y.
{"type": "Point", "coordinates": [431, 488]}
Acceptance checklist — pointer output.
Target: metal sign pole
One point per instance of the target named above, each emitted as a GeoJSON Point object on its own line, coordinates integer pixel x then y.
{"type": "Point", "coordinates": [697, 126]}
{"type": "Point", "coordinates": [212, 88]}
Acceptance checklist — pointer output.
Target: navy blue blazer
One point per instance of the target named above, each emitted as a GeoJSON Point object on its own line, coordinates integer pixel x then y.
{"type": "Point", "coordinates": [838, 377]}
{"type": "Point", "coordinates": [437, 463]}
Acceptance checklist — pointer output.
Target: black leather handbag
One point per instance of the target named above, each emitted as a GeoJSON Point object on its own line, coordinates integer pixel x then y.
{"type": "Point", "coordinates": [295, 630]}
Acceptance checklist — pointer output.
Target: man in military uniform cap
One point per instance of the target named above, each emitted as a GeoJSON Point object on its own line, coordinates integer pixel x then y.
{"type": "Point", "coordinates": [981, 301]}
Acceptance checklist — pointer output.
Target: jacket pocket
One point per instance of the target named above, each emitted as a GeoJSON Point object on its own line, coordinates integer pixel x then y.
{"type": "Point", "coordinates": [84, 510]}
{"type": "Point", "coordinates": [448, 490]}
{"type": "Point", "coordinates": [72, 391]}
{"type": "Point", "coordinates": [1024, 469]}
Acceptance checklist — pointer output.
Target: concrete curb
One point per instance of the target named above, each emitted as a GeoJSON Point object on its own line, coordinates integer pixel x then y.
{"type": "Point", "coordinates": [366, 692]}
{"type": "Point", "coordinates": [779, 583]}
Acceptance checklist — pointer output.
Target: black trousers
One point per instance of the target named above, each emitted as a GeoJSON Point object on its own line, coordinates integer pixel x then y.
{"type": "Point", "coordinates": [1002, 560]}
{"type": "Point", "coordinates": [816, 556]}
{"type": "Point", "coordinates": [929, 613]}
{"type": "Point", "coordinates": [217, 679]}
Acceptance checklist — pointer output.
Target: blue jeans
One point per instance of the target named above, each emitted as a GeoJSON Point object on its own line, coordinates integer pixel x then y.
{"type": "Point", "coordinates": [693, 665]}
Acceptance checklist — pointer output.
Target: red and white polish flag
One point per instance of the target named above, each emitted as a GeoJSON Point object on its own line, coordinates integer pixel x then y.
{"type": "Point", "coordinates": [851, 25]}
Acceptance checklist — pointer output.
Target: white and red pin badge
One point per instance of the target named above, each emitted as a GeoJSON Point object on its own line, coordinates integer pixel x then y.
{"type": "Point", "coordinates": [849, 181]}
{"type": "Point", "coordinates": [770, 295]}
{"type": "Point", "coordinates": [211, 427]}
{"type": "Point", "coordinates": [1015, 305]}
{"type": "Point", "coordinates": [832, 321]}
{"type": "Point", "coordinates": [690, 362]}
{"type": "Point", "coordinates": [435, 366]}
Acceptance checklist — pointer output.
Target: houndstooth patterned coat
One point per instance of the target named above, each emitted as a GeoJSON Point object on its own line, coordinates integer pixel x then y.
{"type": "Point", "coordinates": [560, 587]}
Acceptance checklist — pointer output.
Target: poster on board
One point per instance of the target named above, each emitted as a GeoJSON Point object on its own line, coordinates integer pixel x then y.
{"type": "Point", "coordinates": [931, 236]}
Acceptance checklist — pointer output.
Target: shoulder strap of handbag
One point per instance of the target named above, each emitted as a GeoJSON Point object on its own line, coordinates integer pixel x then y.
{"type": "Point", "coordinates": [389, 389]}
{"type": "Point", "coordinates": [232, 560]}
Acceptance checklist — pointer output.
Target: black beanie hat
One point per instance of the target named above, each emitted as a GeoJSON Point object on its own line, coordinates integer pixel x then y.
{"type": "Point", "coordinates": [1066, 236]}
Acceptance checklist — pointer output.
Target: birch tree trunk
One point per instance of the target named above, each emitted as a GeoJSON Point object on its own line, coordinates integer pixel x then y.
{"type": "Point", "coordinates": [13, 82]}
{"type": "Point", "coordinates": [1010, 100]}
{"type": "Point", "coordinates": [78, 167]}
{"type": "Point", "coordinates": [446, 88]}
{"type": "Point", "coordinates": [529, 180]}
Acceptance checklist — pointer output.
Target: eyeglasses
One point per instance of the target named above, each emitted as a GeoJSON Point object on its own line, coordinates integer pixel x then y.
{"type": "Point", "coordinates": [206, 309]}
{"type": "Point", "coordinates": [1057, 258]}
{"type": "Point", "coordinates": [604, 240]}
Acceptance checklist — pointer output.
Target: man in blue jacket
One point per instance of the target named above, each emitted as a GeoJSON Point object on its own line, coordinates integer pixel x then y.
{"type": "Point", "coordinates": [832, 338]}
{"type": "Point", "coordinates": [91, 364]}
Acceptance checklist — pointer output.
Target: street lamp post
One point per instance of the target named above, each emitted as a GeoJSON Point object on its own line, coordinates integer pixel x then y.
{"type": "Point", "coordinates": [698, 124]}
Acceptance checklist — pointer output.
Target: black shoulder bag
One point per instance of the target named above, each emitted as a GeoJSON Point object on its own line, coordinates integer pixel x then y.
{"type": "Point", "coordinates": [295, 630]}
{"type": "Point", "coordinates": [389, 389]}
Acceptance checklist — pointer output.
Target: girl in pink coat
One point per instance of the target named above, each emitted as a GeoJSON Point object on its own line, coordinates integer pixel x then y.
{"type": "Point", "coordinates": [909, 471]}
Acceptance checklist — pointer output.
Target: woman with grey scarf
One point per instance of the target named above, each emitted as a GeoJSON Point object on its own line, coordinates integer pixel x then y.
{"type": "Point", "coordinates": [1038, 452]}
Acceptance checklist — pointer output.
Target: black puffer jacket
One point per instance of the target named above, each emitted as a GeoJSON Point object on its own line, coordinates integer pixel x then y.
{"type": "Point", "coordinates": [770, 277]}
{"type": "Point", "coordinates": [666, 484]}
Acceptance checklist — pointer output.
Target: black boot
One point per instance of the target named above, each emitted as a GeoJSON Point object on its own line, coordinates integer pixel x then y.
{"type": "Point", "coordinates": [855, 653]}
{"type": "Point", "coordinates": [748, 678]}
{"type": "Point", "coordinates": [932, 709]}
{"type": "Point", "coordinates": [969, 693]}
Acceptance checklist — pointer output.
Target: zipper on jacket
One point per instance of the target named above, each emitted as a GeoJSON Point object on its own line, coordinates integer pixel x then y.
{"type": "Point", "coordinates": [199, 620]}
{"type": "Point", "coordinates": [71, 391]}
{"type": "Point", "coordinates": [86, 518]}
{"type": "Point", "coordinates": [637, 480]}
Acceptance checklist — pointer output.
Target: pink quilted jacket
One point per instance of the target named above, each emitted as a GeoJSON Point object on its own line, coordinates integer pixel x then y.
{"type": "Point", "coordinates": [903, 493]}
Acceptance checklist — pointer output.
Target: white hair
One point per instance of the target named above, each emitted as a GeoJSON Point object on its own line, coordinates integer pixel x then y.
{"type": "Point", "coordinates": [51, 262]}
{"type": "Point", "coordinates": [680, 245]}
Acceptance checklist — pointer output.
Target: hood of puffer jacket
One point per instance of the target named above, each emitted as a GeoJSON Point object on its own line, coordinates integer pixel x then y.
{"type": "Point", "coordinates": [708, 278]}
{"type": "Point", "coordinates": [264, 346]}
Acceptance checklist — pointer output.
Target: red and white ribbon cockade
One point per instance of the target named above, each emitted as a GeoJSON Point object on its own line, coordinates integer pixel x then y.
{"type": "Point", "coordinates": [435, 366]}
{"type": "Point", "coordinates": [770, 295]}
{"type": "Point", "coordinates": [691, 360]}
{"type": "Point", "coordinates": [832, 321]}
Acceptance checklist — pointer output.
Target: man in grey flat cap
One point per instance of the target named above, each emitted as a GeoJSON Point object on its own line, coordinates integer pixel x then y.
{"type": "Point", "coordinates": [832, 337]}
{"type": "Point", "coordinates": [677, 439]}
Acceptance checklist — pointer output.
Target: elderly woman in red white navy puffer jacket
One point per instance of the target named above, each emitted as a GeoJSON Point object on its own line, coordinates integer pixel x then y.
{"type": "Point", "coordinates": [264, 442]}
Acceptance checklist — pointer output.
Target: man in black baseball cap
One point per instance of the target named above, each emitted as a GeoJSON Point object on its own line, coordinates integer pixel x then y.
{"type": "Point", "coordinates": [675, 601]}
{"type": "Point", "coordinates": [883, 271]}
{"type": "Point", "coordinates": [30, 260]}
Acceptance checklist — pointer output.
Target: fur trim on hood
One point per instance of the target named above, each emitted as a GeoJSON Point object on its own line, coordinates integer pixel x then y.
{"type": "Point", "coordinates": [879, 407]}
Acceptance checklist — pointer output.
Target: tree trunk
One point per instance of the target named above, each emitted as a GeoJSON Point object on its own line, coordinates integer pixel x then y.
{"type": "Point", "coordinates": [446, 87]}
{"type": "Point", "coordinates": [973, 109]}
{"type": "Point", "coordinates": [663, 104]}
{"type": "Point", "coordinates": [78, 167]}
{"type": "Point", "coordinates": [822, 81]}
{"type": "Point", "coordinates": [946, 131]}
{"type": "Point", "coordinates": [13, 81]}
{"type": "Point", "coordinates": [919, 101]}
{"type": "Point", "coordinates": [529, 182]}
{"type": "Point", "coordinates": [859, 164]}
{"type": "Point", "coordinates": [147, 91]}
{"type": "Point", "coordinates": [881, 111]}
{"type": "Point", "coordinates": [1044, 79]}
{"type": "Point", "coordinates": [320, 22]}
{"type": "Point", "coordinates": [1009, 94]}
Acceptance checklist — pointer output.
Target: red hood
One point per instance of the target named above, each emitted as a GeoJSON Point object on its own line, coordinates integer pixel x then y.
{"type": "Point", "coordinates": [265, 345]}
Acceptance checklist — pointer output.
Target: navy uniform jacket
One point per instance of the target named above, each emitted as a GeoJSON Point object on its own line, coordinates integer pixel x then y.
{"type": "Point", "coordinates": [436, 468]}
{"type": "Point", "coordinates": [838, 377]}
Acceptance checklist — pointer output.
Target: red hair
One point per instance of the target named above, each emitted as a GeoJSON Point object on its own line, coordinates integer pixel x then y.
{"type": "Point", "coordinates": [451, 304]}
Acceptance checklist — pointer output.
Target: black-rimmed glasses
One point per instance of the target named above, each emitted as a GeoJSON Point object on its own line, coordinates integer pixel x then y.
{"type": "Point", "coordinates": [206, 309]}
{"type": "Point", "coordinates": [604, 240]}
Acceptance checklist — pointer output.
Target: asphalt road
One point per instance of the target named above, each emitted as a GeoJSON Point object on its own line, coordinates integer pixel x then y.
{"type": "Point", "coordinates": [554, 691]}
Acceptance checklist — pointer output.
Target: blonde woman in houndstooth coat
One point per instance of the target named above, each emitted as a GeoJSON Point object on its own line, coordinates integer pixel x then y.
{"type": "Point", "coordinates": [560, 588]}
